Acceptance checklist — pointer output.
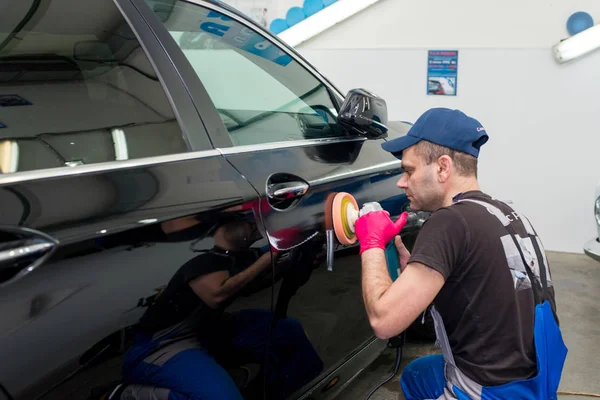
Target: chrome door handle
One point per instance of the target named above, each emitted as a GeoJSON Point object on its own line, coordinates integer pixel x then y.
{"type": "Point", "coordinates": [287, 190]}
{"type": "Point", "coordinates": [21, 249]}
{"type": "Point", "coordinates": [25, 252]}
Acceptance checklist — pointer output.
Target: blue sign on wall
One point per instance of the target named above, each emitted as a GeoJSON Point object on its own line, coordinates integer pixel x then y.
{"type": "Point", "coordinates": [442, 72]}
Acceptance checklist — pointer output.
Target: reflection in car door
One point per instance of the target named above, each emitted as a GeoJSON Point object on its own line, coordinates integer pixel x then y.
{"type": "Point", "coordinates": [328, 304]}
{"type": "Point", "coordinates": [105, 207]}
{"type": "Point", "coordinates": [275, 123]}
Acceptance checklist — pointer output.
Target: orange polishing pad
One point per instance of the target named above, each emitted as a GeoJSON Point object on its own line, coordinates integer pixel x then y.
{"type": "Point", "coordinates": [344, 211]}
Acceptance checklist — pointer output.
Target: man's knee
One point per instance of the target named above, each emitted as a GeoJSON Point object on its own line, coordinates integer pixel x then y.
{"type": "Point", "coordinates": [424, 378]}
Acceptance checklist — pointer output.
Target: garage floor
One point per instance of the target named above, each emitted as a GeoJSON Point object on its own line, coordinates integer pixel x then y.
{"type": "Point", "coordinates": [577, 281]}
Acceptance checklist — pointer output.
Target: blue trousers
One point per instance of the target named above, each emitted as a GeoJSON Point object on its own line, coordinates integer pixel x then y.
{"type": "Point", "coordinates": [424, 378]}
{"type": "Point", "coordinates": [191, 372]}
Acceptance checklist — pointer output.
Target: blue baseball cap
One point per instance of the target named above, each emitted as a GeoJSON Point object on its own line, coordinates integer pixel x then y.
{"type": "Point", "coordinates": [443, 126]}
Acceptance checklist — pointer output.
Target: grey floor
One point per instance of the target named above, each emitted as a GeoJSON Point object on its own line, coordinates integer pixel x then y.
{"type": "Point", "coordinates": [577, 281]}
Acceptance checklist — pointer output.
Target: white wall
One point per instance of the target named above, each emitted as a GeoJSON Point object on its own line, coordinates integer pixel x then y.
{"type": "Point", "coordinates": [275, 8]}
{"type": "Point", "coordinates": [542, 117]}
{"type": "Point", "coordinates": [458, 23]}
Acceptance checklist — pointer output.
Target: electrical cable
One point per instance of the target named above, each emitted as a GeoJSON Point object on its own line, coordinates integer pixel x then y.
{"type": "Point", "coordinates": [585, 394]}
{"type": "Point", "coordinates": [399, 353]}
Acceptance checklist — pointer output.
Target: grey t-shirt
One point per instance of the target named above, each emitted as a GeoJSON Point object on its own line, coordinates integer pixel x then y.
{"type": "Point", "coordinates": [486, 303]}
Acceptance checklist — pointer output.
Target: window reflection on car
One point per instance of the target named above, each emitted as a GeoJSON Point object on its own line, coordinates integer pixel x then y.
{"type": "Point", "coordinates": [105, 80]}
{"type": "Point", "coordinates": [261, 94]}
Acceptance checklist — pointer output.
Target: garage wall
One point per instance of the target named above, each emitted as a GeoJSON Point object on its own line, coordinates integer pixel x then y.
{"type": "Point", "coordinates": [541, 116]}
{"type": "Point", "coordinates": [275, 8]}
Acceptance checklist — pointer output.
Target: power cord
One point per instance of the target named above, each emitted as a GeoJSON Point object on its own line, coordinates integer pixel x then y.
{"type": "Point", "coordinates": [566, 393]}
{"type": "Point", "coordinates": [397, 342]}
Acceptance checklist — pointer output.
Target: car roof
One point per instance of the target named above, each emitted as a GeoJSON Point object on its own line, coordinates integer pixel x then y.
{"type": "Point", "coordinates": [102, 13]}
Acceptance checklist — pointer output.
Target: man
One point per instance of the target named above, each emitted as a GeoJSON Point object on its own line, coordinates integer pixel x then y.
{"type": "Point", "coordinates": [470, 261]}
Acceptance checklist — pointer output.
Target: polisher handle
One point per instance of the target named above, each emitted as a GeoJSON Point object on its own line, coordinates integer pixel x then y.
{"type": "Point", "coordinates": [370, 207]}
{"type": "Point", "coordinates": [393, 260]}
{"type": "Point", "coordinates": [376, 229]}
{"type": "Point", "coordinates": [330, 248]}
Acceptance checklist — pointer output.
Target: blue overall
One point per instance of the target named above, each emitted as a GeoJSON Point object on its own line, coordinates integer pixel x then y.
{"type": "Point", "coordinates": [437, 377]}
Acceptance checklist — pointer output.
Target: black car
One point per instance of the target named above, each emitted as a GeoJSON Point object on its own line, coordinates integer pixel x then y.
{"type": "Point", "coordinates": [144, 141]}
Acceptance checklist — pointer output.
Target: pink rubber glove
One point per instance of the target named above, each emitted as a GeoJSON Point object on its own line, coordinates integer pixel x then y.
{"type": "Point", "coordinates": [376, 229]}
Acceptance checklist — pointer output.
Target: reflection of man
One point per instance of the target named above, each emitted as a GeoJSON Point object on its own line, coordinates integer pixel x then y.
{"type": "Point", "coordinates": [207, 284]}
{"type": "Point", "coordinates": [185, 342]}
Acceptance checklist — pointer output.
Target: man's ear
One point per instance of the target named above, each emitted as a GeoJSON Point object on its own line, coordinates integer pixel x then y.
{"type": "Point", "coordinates": [444, 167]}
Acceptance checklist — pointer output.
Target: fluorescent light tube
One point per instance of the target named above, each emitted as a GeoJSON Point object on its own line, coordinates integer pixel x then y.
{"type": "Point", "coordinates": [120, 142]}
{"type": "Point", "coordinates": [577, 45]}
{"type": "Point", "coordinates": [323, 20]}
{"type": "Point", "coordinates": [9, 157]}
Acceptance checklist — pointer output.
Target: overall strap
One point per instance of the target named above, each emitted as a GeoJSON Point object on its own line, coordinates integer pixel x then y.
{"type": "Point", "coordinates": [530, 273]}
{"type": "Point", "coordinates": [495, 211]}
{"type": "Point", "coordinates": [540, 257]}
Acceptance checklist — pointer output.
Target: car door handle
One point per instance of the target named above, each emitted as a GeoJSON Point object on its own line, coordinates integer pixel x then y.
{"type": "Point", "coordinates": [23, 252]}
{"type": "Point", "coordinates": [21, 249]}
{"type": "Point", "coordinates": [287, 190]}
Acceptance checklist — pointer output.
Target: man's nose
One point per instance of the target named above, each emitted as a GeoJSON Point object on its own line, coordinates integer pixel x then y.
{"type": "Point", "coordinates": [402, 182]}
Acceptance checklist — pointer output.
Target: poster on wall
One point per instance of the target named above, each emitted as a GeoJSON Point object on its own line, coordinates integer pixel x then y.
{"type": "Point", "coordinates": [442, 71]}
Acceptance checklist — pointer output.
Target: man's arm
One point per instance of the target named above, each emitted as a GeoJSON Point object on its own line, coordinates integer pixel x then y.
{"type": "Point", "coordinates": [393, 306]}
{"type": "Point", "coordinates": [217, 287]}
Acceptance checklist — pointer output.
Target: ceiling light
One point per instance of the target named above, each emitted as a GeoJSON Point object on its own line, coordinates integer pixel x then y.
{"type": "Point", "coordinates": [323, 20]}
{"type": "Point", "coordinates": [577, 45]}
{"type": "Point", "coordinates": [9, 156]}
{"type": "Point", "coordinates": [120, 143]}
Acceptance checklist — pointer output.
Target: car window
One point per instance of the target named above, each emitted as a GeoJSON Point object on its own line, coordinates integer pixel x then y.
{"type": "Point", "coordinates": [76, 88]}
{"type": "Point", "coordinates": [260, 92]}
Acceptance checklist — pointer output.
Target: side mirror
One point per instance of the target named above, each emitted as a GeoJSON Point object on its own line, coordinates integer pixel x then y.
{"type": "Point", "coordinates": [364, 113]}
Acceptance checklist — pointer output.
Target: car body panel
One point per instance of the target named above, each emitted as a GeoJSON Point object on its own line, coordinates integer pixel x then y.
{"type": "Point", "coordinates": [64, 326]}
{"type": "Point", "coordinates": [108, 258]}
{"type": "Point", "coordinates": [592, 247]}
{"type": "Point", "coordinates": [346, 163]}
{"type": "Point", "coordinates": [130, 182]}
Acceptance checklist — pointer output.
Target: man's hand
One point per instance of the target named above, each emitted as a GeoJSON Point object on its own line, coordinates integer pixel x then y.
{"type": "Point", "coordinates": [376, 229]}
{"type": "Point", "coordinates": [403, 252]}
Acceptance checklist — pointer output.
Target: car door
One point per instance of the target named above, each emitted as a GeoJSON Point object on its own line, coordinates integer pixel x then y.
{"type": "Point", "coordinates": [275, 120]}
{"type": "Point", "coordinates": [108, 185]}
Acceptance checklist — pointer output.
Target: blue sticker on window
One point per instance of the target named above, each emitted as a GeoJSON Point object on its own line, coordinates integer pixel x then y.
{"type": "Point", "coordinates": [243, 38]}
{"type": "Point", "coordinates": [12, 100]}
{"type": "Point", "coordinates": [2, 125]}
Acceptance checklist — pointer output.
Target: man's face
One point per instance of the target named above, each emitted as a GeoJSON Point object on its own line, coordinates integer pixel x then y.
{"type": "Point", "coordinates": [420, 182]}
{"type": "Point", "coordinates": [254, 233]}
{"type": "Point", "coordinates": [240, 235]}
